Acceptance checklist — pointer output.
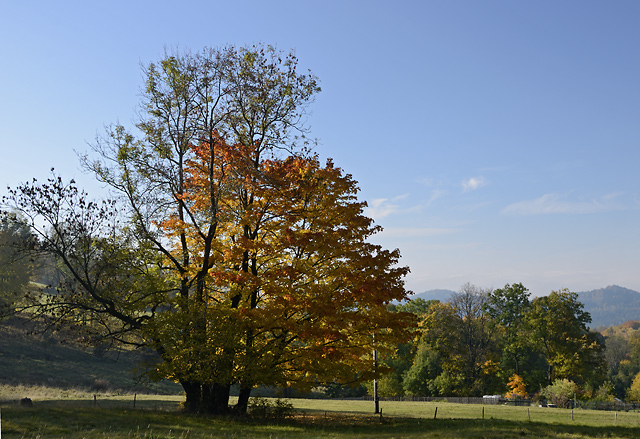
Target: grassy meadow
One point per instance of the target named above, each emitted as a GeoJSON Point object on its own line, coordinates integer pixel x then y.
{"type": "Point", "coordinates": [113, 416]}
{"type": "Point", "coordinates": [81, 394]}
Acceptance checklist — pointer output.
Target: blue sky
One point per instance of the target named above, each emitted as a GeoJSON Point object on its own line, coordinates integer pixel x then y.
{"type": "Point", "coordinates": [495, 141]}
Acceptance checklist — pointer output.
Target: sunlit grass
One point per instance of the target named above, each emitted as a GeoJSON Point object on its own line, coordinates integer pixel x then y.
{"type": "Point", "coordinates": [112, 416]}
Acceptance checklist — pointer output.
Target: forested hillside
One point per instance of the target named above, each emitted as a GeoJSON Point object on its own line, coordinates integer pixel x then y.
{"type": "Point", "coordinates": [612, 305]}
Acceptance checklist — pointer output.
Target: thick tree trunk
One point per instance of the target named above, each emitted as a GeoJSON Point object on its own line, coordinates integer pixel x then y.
{"type": "Point", "coordinates": [206, 398]}
{"type": "Point", "coordinates": [193, 393]}
{"type": "Point", "coordinates": [243, 400]}
{"type": "Point", "coordinates": [217, 398]}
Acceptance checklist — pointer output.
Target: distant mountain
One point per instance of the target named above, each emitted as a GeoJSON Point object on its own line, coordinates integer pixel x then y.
{"type": "Point", "coordinates": [611, 306]}
{"type": "Point", "coordinates": [441, 295]}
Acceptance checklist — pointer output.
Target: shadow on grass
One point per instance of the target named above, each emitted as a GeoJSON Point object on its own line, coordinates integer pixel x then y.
{"type": "Point", "coordinates": [369, 426]}
{"type": "Point", "coordinates": [51, 420]}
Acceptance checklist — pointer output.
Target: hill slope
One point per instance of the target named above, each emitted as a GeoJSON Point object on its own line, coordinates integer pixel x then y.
{"type": "Point", "coordinates": [30, 359]}
{"type": "Point", "coordinates": [441, 295]}
{"type": "Point", "coordinates": [611, 306]}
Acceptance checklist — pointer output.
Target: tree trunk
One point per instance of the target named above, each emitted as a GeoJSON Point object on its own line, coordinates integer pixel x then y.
{"type": "Point", "coordinates": [193, 393]}
{"type": "Point", "coordinates": [217, 401]}
{"type": "Point", "coordinates": [206, 398]}
{"type": "Point", "coordinates": [243, 400]}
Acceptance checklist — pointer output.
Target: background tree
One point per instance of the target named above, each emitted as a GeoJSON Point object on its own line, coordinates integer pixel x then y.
{"type": "Point", "coordinates": [633, 394]}
{"type": "Point", "coordinates": [429, 373]}
{"type": "Point", "coordinates": [474, 354]}
{"type": "Point", "coordinates": [17, 265]}
{"type": "Point", "coordinates": [420, 378]}
{"type": "Point", "coordinates": [507, 307]}
{"type": "Point", "coordinates": [455, 351]}
{"type": "Point", "coordinates": [558, 326]}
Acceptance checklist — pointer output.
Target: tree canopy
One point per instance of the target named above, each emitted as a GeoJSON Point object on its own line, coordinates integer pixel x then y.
{"type": "Point", "coordinates": [228, 247]}
{"type": "Point", "coordinates": [493, 341]}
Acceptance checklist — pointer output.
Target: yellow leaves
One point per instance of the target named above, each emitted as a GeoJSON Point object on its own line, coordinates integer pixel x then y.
{"type": "Point", "coordinates": [517, 386]}
{"type": "Point", "coordinates": [291, 283]}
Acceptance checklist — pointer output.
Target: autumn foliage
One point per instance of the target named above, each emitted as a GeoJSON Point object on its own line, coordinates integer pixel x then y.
{"type": "Point", "coordinates": [229, 248]}
{"type": "Point", "coordinates": [294, 291]}
{"type": "Point", "coordinates": [517, 387]}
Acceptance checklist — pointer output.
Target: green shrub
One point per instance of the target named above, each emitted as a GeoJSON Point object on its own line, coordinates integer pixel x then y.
{"type": "Point", "coordinates": [270, 409]}
{"type": "Point", "coordinates": [561, 392]}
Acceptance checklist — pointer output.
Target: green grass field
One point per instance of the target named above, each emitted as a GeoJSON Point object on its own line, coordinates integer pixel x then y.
{"type": "Point", "coordinates": [113, 417]}
{"type": "Point", "coordinates": [59, 376]}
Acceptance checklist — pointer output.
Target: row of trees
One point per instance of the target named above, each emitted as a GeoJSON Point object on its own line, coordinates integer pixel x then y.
{"type": "Point", "coordinates": [226, 247]}
{"type": "Point", "coordinates": [480, 341]}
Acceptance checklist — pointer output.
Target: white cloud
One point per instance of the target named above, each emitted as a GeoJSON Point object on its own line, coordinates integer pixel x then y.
{"type": "Point", "coordinates": [415, 232]}
{"type": "Point", "coordinates": [473, 183]}
{"type": "Point", "coordinates": [561, 204]}
{"type": "Point", "coordinates": [382, 207]}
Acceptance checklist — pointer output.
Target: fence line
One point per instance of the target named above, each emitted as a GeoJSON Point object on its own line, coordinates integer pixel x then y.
{"type": "Point", "coordinates": [452, 399]}
{"type": "Point", "coordinates": [617, 406]}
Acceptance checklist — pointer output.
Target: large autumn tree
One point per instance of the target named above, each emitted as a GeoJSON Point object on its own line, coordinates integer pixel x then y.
{"type": "Point", "coordinates": [235, 254]}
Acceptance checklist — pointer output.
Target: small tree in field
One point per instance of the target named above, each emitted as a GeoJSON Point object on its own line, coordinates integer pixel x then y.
{"type": "Point", "coordinates": [517, 386]}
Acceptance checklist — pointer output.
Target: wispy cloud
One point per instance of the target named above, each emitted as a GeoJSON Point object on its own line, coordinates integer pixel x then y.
{"type": "Point", "coordinates": [383, 207]}
{"type": "Point", "coordinates": [473, 183]}
{"type": "Point", "coordinates": [561, 204]}
{"type": "Point", "coordinates": [416, 232]}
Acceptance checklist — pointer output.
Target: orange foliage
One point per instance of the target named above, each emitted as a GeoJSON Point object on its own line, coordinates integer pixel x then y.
{"type": "Point", "coordinates": [283, 243]}
{"type": "Point", "coordinates": [517, 386]}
